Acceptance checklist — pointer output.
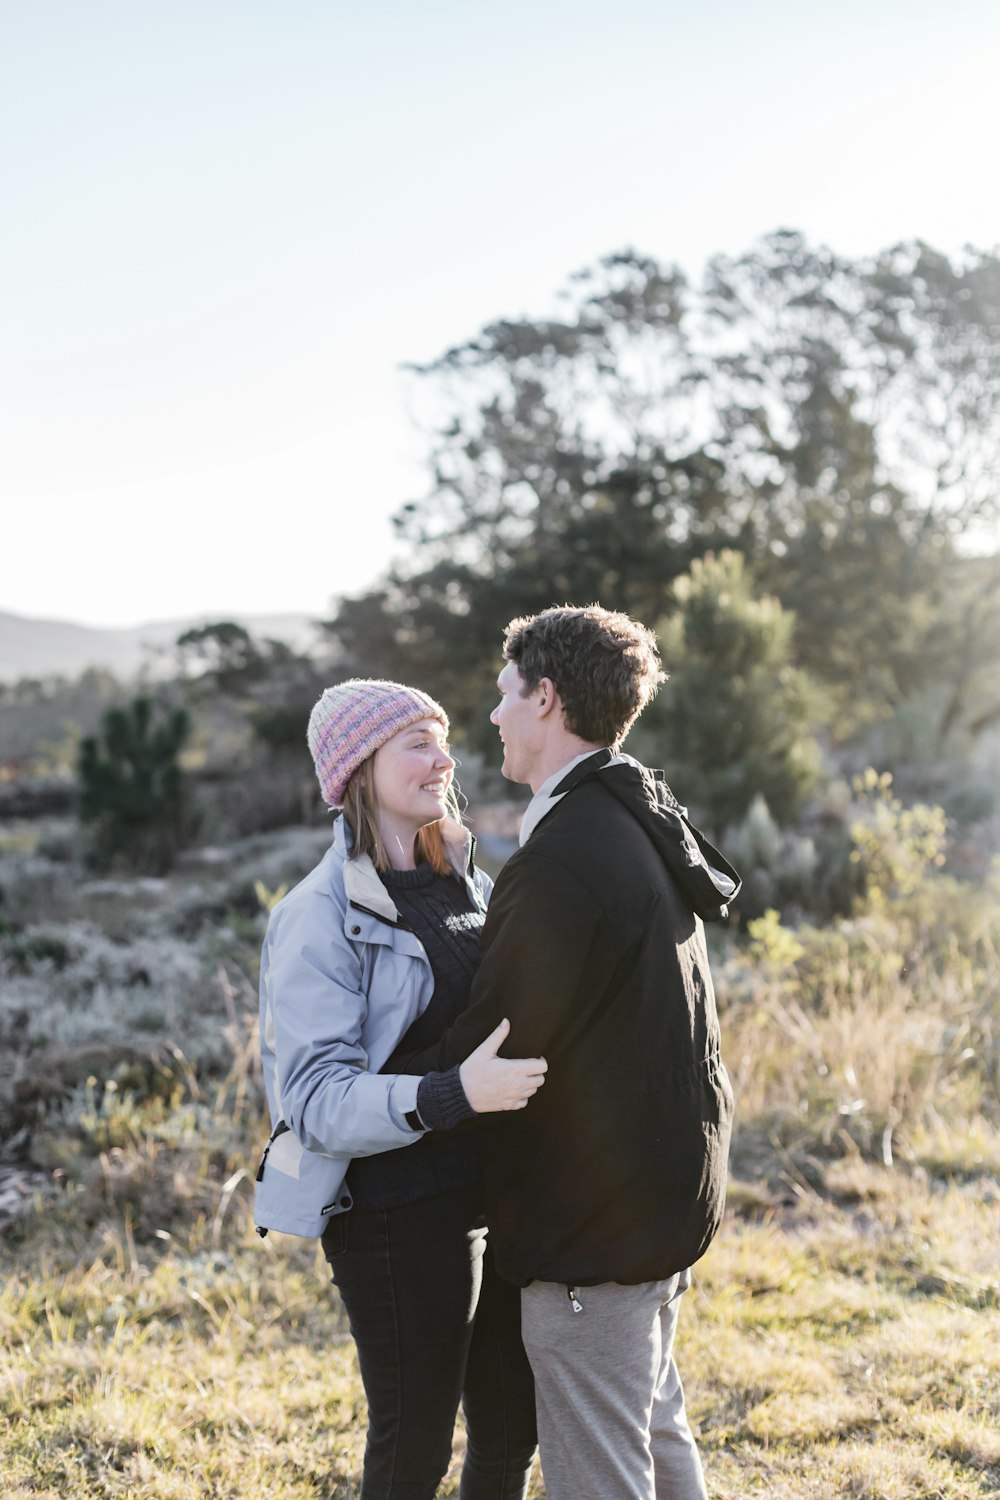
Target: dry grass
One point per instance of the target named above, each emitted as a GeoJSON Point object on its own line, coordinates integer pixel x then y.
{"type": "Point", "coordinates": [842, 1337]}
{"type": "Point", "coordinates": [839, 1354]}
{"type": "Point", "coordinates": [825, 1352]}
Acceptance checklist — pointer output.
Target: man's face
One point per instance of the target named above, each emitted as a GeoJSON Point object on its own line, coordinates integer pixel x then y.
{"type": "Point", "coordinates": [521, 733]}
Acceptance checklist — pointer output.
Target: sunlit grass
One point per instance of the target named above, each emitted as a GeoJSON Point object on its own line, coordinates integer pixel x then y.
{"type": "Point", "coordinates": [842, 1336]}
{"type": "Point", "coordinates": [191, 1372]}
{"type": "Point", "coordinates": [824, 1353]}
{"type": "Point", "coordinates": [827, 1383]}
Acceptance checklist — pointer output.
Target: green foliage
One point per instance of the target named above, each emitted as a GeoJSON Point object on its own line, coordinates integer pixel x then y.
{"type": "Point", "coordinates": [274, 686]}
{"type": "Point", "coordinates": [131, 788]}
{"type": "Point", "coordinates": [794, 870]}
{"type": "Point", "coordinates": [733, 722]}
{"type": "Point", "coordinates": [114, 1120]}
{"type": "Point", "coordinates": [895, 846]}
{"type": "Point", "coordinates": [871, 1035]}
{"type": "Point", "coordinates": [833, 420]}
{"type": "Point", "coordinates": [771, 944]}
{"type": "Point", "coordinates": [268, 900]}
{"type": "Point", "coordinates": [222, 655]}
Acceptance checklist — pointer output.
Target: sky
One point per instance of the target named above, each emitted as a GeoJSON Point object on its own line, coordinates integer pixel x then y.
{"type": "Point", "coordinates": [227, 224]}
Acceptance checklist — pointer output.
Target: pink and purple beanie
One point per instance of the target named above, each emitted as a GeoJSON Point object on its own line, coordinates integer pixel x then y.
{"type": "Point", "coordinates": [353, 719]}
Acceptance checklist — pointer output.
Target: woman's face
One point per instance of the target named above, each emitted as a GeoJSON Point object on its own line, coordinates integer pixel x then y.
{"type": "Point", "coordinates": [411, 774]}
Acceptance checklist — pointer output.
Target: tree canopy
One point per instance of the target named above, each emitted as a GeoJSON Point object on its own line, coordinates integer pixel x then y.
{"type": "Point", "coordinates": [835, 421]}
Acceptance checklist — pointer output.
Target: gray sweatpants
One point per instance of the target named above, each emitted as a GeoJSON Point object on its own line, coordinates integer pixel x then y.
{"type": "Point", "coordinates": [611, 1418]}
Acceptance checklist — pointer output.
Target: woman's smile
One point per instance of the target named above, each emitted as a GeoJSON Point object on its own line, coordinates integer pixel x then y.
{"type": "Point", "coordinates": [412, 774]}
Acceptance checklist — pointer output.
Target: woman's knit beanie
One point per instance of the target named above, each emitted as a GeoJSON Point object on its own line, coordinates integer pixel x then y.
{"type": "Point", "coordinates": [353, 719]}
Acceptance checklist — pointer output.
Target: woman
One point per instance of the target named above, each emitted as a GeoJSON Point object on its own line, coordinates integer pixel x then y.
{"type": "Point", "coordinates": [377, 947]}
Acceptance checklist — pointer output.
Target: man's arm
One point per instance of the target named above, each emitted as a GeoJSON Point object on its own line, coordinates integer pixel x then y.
{"type": "Point", "coordinates": [537, 942]}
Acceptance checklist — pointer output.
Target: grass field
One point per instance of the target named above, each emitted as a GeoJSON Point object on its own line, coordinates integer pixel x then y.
{"type": "Point", "coordinates": [842, 1337]}
{"type": "Point", "coordinates": [849, 1349]}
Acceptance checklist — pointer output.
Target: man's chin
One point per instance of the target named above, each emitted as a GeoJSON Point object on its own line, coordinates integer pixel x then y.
{"type": "Point", "coordinates": [509, 772]}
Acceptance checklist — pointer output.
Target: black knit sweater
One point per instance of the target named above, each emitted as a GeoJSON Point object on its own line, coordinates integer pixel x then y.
{"type": "Point", "coordinates": [438, 910]}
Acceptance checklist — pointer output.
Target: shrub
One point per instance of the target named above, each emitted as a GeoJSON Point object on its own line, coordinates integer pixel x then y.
{"type": "Point", "coordinates": [734, 722]}
{"type": "Point", "coordinates": [131, 787]}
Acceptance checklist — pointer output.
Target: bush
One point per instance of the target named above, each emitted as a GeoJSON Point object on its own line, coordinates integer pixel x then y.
{"type": "Point", "coordinates": [875, 1036]}
{"type": "Point", "coordinates": [734, 722]}
{"type": "Point", "coordinates": [131, 787]}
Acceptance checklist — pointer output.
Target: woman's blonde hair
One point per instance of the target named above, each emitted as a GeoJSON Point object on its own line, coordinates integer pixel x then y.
{"type": "Point", "coordinates": [361, 812]}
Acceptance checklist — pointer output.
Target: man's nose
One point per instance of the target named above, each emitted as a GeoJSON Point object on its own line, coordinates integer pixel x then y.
{"type": "Point", "coordinates": [493, 717]}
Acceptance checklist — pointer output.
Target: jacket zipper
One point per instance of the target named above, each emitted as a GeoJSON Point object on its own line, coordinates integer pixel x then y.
{"type": "Point", "coordinates": [398, 925]}
{"type": "Point", "coordinates": [280, 1129]}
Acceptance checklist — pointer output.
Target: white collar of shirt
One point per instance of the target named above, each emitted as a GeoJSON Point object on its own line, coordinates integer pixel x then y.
{"type": "Point", "coordinates": [543, 801]}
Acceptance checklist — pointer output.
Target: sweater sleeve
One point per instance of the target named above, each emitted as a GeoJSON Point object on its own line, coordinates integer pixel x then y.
{"type": "Point", "coordinates": [536, 944]}
{"type": "Point", "coordinates": [441, 1100]}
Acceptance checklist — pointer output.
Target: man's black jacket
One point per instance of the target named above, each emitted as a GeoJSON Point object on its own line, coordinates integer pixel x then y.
{"type": "Point", "coordinates": [616, 1169]}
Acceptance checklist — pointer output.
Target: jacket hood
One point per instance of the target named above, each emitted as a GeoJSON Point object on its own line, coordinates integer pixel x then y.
{"type": "Point", "coordinates": [705, 877]}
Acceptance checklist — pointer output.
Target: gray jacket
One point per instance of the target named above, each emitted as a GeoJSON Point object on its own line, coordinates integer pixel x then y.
{"type": "Point", "coordinates": [340, 984]}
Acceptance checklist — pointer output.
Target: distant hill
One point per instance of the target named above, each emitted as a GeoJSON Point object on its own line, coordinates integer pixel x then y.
{"type": "Point", "coordinates": [40, 648]}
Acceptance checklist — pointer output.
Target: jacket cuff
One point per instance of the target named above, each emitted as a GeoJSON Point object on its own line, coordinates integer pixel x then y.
{"type": "Point", "coordinates": [402, 1099]}
{"type": "Point", "coordinates": [441, 1100]}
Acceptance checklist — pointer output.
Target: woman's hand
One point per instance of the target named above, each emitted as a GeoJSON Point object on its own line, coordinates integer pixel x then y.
{"type": "Point", "coordinates": [493, 1083]}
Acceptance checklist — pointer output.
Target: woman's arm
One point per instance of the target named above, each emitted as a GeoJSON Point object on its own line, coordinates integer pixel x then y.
{"type": "Point", "coordinates": [317, 1068]}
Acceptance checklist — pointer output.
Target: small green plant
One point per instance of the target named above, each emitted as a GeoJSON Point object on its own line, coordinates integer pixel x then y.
{"type": "Point", "coordinates": [111, 1119]}
{"type": "Point", "coordinates": [269, 899]}
{"type": "Point", "coordinates": [896, 846]}
{"type": "Point", "coordinates": [132, 792]}
{"type": "Point", "coordinates": [773, 945]}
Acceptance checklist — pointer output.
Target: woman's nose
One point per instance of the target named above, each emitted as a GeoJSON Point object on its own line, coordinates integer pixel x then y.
{"type": "Point", "coordinates": [446, 760]}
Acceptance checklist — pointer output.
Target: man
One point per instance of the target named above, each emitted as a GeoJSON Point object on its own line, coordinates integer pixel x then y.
{"type": "Point", "coordinates": [610, 1184]}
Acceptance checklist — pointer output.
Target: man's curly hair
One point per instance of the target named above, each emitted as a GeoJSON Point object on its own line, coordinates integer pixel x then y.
{"type": "Point", "coordinates": [605, 666]}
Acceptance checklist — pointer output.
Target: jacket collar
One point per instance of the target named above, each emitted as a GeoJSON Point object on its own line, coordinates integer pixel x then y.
{"type": "Point", "coordinates": [555, 787]}
{"type": "Point", "coordinates": [362, 885]}
{"type": "Point", "coordinates": [582, 767]}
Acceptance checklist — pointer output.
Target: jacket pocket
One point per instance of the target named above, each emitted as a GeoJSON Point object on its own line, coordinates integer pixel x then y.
{"type": "Point", "coordinates": [280, 1129]}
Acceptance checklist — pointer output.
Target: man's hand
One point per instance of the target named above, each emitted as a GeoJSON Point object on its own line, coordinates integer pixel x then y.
{"type": "Point", "coordinates": [493, 1083]}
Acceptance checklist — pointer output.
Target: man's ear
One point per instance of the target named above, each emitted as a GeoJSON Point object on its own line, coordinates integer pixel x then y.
{"type": "Point", "coordinates": [548, 699]}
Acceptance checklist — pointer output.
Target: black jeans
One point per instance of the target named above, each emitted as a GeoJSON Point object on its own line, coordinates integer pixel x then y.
{"type": "Point", "coordinates": [434, 1324]}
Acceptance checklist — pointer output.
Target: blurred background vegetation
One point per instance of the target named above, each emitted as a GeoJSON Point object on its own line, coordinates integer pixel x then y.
{"type": "Point", "coordinates": [790, 471]}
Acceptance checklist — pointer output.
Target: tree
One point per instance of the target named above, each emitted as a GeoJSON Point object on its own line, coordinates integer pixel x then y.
{"type": "Point", "coordinates": [861, 406]}
{"type": "Point", "coordinates": [733, 722]}
{"type": "Point", "coordinates": [221, 656]}
{"type": "Point", "coordinates": [273, 685]}
{"type": "Point", "coordinates": [836, 421]}
{"type": "Point", "coordinates": [131, 788]}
